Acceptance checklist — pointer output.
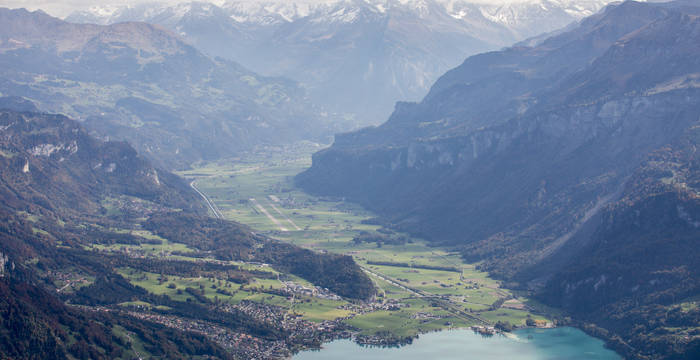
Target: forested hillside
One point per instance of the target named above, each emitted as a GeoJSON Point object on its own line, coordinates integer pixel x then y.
{"type": "Point", "coordinates": [69, 201]}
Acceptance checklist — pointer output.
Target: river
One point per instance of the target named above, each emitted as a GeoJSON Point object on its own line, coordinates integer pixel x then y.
{"type": "Point", "coordinates": [528, 344]}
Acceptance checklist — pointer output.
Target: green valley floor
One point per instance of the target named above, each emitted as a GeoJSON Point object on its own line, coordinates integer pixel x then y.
{"type": "Point", "coordinates": [421, 288]}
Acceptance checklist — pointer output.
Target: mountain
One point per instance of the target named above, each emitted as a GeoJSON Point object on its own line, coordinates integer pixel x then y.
{"type": "Point", "coordinates": [89, 169]}
{"type": "Point", "coordinates": [71, 203]}
{"type": "Point", "coordinates": [355, 57]}
{"type": "Point", "coordinates": [141, 83]}
{"type": "Point", "coordinates": [640, 264]}
{"type": "Point", "coordinates": [567, 167]}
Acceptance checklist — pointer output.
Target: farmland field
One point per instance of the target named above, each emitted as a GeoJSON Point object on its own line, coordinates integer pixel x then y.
{"type": "Point", "coordinates": [431, 287]}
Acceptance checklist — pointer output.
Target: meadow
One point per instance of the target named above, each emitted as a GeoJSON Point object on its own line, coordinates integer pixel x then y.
{"type": "Point", "coordinates": [257, 190]}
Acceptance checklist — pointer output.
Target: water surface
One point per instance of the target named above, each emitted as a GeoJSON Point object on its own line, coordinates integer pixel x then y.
{"type": "Point", "coordinates": [530, 344]}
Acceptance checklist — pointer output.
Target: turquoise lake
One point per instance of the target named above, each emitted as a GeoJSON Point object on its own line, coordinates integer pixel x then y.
{"type": "Point", "coordinates": [531, 344]}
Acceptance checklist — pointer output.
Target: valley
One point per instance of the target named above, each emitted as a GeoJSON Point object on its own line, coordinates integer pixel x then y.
{"type": "Point", "coordinates": [168, 189]}
{"type": "Point", "coordinates": [421, 288]}
{"type": "Point", "coordinates": [338, 49]}
{"type": "Point", "coordinates": [553, 174]}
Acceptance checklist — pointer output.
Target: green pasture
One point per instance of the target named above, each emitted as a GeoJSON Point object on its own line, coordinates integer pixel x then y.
{"type": "Point", "coordinates": [329, 224]}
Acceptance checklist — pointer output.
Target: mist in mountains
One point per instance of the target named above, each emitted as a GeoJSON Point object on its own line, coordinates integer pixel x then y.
{"type": "Point", "coordinates": [550, 144]}
{"type": "Point", "coordinates": [545, 163]}
{"type": "Point", "coordinates": [339, 49]}
{"type": "Point", "coordinates": [141, 83]}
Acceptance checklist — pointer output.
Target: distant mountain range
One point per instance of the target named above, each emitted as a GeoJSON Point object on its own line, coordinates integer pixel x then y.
{"type": "Point", "coordinates": [141, 83]}
{"type": "Point", "coordinates": [354, 57]}
{"type": "Point", "coordinates": [567, 166]}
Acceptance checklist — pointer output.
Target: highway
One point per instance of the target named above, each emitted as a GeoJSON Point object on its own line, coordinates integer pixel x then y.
{"type": "Point", "coordinates": [210, 204]}
{"type": "Point", "coordinates": [443, 303]}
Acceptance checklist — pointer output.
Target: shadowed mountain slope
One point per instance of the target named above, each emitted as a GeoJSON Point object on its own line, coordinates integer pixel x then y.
{"type": "Point", "coordinates": [566, 167]}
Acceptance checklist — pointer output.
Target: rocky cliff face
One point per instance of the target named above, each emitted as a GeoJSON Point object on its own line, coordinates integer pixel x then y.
{"type": "Point", "coordinates": [543, 148]}
{"type": "Point", "coordinates": [52, 162]}
{"type": "Point", "coordinates": [539, 161]}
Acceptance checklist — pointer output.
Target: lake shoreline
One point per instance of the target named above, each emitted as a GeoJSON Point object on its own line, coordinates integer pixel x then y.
{"type": "Point", "coordinates": [525, 344]}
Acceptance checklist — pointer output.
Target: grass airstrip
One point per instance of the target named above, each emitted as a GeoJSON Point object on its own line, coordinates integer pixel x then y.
{"type": "Point", "coordinates": [258, 190]}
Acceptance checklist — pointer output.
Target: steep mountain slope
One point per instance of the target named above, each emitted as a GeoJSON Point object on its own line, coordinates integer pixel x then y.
{"type": "Point", "coordinates": [68, 201]}
{"type": "Point", "coordinates": [640, 265]}
{"type": "Point", "coordinates": [89, 171]}
{"type": "Point", "coordinates": [340, 48]}
{"type": "Point", "coordinates": [567, 167]}
{"type": "Point", "coordinates": [141, 83]}
{"type": "Point", "coordinates": [503, 106]}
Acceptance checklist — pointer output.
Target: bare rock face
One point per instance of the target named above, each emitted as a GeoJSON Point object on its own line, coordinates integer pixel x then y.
{"type": "Point", "coordinates": [568, 167]}
{"type": "Point", "coordinates": [3, 261]}
{"type": "Point", "coordinates": [501, 127]}
{"type": "Point", "coordinates": [54, 156]}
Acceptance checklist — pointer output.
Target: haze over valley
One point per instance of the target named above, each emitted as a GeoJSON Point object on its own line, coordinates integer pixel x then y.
{"type": "Point", "coordinates": [266, 179]}
{"type": "Point", "coordinates": [339, 49]}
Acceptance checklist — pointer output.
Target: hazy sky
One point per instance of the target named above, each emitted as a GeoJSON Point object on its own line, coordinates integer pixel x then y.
{"type": "Point", "coordinates": [62, 8]}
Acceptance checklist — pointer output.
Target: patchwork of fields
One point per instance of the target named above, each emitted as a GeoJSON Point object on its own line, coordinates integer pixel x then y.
{"type": "Point", "coordinates": [421, 288]}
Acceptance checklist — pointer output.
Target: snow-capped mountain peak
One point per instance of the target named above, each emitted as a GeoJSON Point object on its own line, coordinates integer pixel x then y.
{"type": "Point", "coordinates": [270, 12]}
{"type": "Point", "coordinates": [340, 48]}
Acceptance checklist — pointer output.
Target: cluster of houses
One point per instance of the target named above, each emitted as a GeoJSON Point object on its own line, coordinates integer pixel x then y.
{"type": "Point", "coordinates": [317, 291]}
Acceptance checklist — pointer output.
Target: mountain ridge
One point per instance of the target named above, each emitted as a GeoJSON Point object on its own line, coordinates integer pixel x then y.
{"type": "Point", "coordinates": [142, 83]}
{"type": "Point", "coordinates": [339, 49]}
{"type": "Point", "coordinates": [536, 161]}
